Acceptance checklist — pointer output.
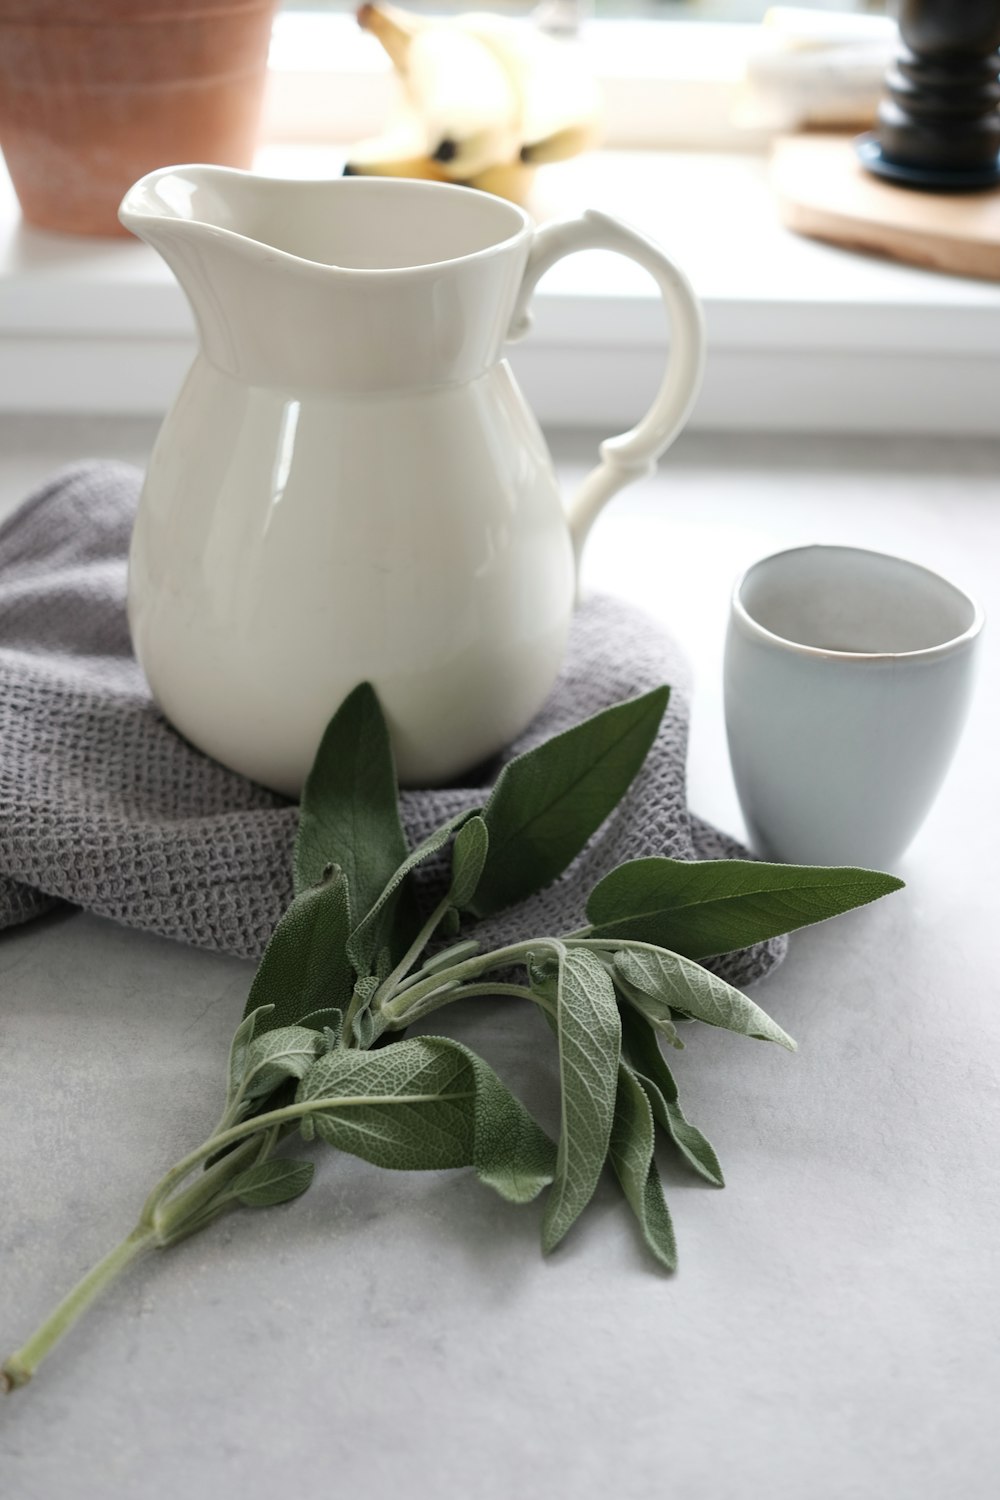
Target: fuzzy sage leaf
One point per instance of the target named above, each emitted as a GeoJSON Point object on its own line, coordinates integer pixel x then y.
{"type": "Point", "coordinates": [329, 1017]}
{"type": "Point", "coordinates": [468, 859]}
{"type": "Point", "coordinates": [305, 965]}
{"type": "Point", "coordinates": [366, 939]}
{"type": "Point", "coordinates": [631, 1155]}
{"type": "Point", "coordinates": [548, 802]}
{"type": "Point", "coordinates": [238, 1050]}
{"type": "Point", "coordinates": [664, 1020]}
{"type": "Point", "coordinates": [349, 813]}
{"type": "Point", "coordinates": [701, 907]}
{"type": "Point", "coordinates": [656, 1078]}
{"type": "Point", "coordinates": [660, 981]}
{"type": "Point", "coordinates": [286, 1052]}
{"type": "Point", "coordinates": [269, 1182]}
{"type": "Point", "coordinates": [426, 1104]}
{"type": "Point", "coordinates": [589, 1034]}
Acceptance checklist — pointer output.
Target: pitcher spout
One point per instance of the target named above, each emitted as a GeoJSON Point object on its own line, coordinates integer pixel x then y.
{"type": "Point", "coordinates": [347, 284]}
{"type": "Point", "coordinates": [191, 216]}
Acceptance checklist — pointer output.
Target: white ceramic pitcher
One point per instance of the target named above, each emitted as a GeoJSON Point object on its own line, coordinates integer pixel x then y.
{"type": "Point", "coordinates": [350, 485]}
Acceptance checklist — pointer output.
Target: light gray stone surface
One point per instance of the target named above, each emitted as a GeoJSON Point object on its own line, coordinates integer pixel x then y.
{"type": "Point", "coordinates": [832, 1333]}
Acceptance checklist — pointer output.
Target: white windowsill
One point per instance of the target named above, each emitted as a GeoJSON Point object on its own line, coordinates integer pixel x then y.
{"type": "Point", "coordinates": [802, 336]}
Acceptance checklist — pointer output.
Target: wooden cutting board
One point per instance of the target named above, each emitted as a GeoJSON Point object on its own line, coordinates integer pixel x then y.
{"type": "Point", "coordinates": [823, 191]}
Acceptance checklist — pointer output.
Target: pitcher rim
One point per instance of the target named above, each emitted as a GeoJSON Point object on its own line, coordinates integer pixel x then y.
{"type": "Point", "coordinates": [132, 216]}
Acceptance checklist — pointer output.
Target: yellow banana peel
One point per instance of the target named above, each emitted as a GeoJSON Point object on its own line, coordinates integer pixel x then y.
{"type": "Point", "coordinates": [486, 100]}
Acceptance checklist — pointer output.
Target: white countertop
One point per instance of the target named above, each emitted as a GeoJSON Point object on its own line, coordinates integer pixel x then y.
{"type": "Point", "coordinates": [832, 1333]}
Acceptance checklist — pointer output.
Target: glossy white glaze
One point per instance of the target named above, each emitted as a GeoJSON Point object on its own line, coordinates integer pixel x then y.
{"type": "Point", "coordinates": [350, 485]}
{"type": "Point", "coordinates": [848, 676]}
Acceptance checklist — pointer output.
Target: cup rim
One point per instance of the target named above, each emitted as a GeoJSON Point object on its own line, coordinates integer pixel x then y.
{"type": "Point", "coordinates": [926, 653]}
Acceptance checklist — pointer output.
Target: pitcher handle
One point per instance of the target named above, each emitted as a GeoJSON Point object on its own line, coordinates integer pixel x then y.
{"type": "Point", "coordinates": [634, 453]}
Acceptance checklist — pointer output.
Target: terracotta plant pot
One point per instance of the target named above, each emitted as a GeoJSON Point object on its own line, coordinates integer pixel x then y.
{"type": "Point", "coordinates": [94, 93]}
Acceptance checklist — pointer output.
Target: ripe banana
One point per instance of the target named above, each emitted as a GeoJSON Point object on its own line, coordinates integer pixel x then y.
{"type": "Point", "coordinates": [394, 28]}
{"type": "Point", "coordinates": [385, 156]}
{"type": "Point", "coordinates": [486, 100]}
{"type": "Point", "coordinates": [465, 97]}
{"type": "Point", "coordinates": [557, 98]}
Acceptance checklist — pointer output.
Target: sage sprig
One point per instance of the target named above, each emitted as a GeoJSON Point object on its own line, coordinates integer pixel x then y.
{"type": "Point", "coordinates": [358, 958]}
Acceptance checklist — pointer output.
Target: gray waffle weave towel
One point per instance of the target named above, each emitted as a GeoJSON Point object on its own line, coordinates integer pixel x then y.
{"type": "Point", "coordinates": [103, 805]}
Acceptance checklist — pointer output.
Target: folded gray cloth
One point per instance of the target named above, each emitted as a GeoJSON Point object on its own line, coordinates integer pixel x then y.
{"type": "Point", "coordinates": [104, 805]}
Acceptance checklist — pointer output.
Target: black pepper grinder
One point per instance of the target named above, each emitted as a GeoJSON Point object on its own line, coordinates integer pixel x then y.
{"type": "Point", "coordinates": [938, 126]}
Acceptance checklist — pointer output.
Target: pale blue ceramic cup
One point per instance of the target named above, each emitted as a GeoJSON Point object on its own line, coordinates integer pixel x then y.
{"type": "Point", "coordinates": [848, 676]}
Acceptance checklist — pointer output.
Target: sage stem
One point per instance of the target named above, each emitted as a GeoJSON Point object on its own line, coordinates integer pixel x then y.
{"type": "Point", "coordinates": [435, 1000]}
{"type": "Point", "coordinates": [472, 968]}
{"type": "Point", "coordinates": [19, 1369]}
{"type": "Point", "coordinates": [413, 952]}
{"type": "Point", "coordinates": [156, 1229]}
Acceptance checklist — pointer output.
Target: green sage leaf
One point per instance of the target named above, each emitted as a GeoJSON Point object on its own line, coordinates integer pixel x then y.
{"type": "Point", "coordinates": [329, 1018]}
{"type": "Point", "coordinates": [631, 1155]}
{"type": "Point", "coordinates": [367, 1026]}
{"type": "Point", "coordinates": [426, 1104]}
{"type": "Point", "coordinates": [305, 965]}
{"type": "Point", "coordinates": [451, 923]}
{"type": "Point", "coordinates": [350, 811]}
{"type": "Point", "coordinates": [413, 1109]}
{"type": "Point", "coordinates": [664, 1022]}
{"type": "Point", "coordinates": [512, 1154]}
{"type": "Point", "coordinates": [468, 858]}
{"type": "Point", "coordinates": [589, 1034]}
{"type": "Point", "coordinates": [270, 1182]}
{"type": "Point", "coordinates": [369, 936]}
{"type": "Point", "coordinates": [238, 1050]}
{"type": "Point", "coordinates": [548, 802]}
{"type": "Point", "coordinates": [654, 1074]}
{"type": "Point", "coordinates": [700, 907]}
{"type": "Point", "coordinates": [543, 974]}
{"type": "Point", "coordinates": [365, 990]}
{"type": "Point", "coordinates": [286, 1052]}
{"type": "Point", "coordinates": [662, 979]}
